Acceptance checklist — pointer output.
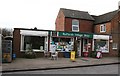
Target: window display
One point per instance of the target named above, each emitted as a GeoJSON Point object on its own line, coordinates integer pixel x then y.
{"type": "Point", "coordinates": [36, 43]}
{"type": "Point", "coordinates": [63, 44]}
{"type": "Point", "coordinates": [101, 45]}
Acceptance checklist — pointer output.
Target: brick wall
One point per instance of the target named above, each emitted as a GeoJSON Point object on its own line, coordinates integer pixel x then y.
{"type": "Point", "coordinates": [84, 25]}
{"type": "Point", "coordinates": [108, 28]}
{"type": "Point", "coordinates": [59, 23]}
{"type": "Point", "coordinates": [16, 42]}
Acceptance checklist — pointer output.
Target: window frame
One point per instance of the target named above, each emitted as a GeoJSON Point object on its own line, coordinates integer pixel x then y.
{"type": "Point", "coordinates": [115, 46]}
{"type": "Point", "coordinates": [103, 28]}
{"type": "Point", "coordinates": [74, 25]}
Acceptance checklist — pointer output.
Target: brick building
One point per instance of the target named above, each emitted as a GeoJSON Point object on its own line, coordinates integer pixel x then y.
{"type": "Point", "coordinates": [76, 21]}
{"type": "Point", "coordinates": [105, 27]}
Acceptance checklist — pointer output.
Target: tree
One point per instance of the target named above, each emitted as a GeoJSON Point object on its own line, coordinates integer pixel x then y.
{"type": "Point", "coordinates": [6, 32]}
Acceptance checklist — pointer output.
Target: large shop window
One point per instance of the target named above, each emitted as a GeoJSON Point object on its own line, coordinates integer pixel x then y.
{"type": "Point", "coordinates": [101, 45]}
{"type": "Point", "coordinates": [75, 25]}
{"type": "Point", "coordinates": [63, 44]}
{"type": "Point", "coordinates": [36, 43]}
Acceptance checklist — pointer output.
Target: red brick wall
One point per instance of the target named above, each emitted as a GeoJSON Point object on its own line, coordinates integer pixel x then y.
{"type": "Point", "coordinates": [16, 42]}
{"type": "Point", "coordinates": [84, 25]}
{"type": "Point", "coordinates": [116, 32]}
{"type": "Point", "coordinates": [68, 24]}
{"type": "Point", "coordinates": [108, 28]}
{"type": "Point", "coordinates": [59, 24]}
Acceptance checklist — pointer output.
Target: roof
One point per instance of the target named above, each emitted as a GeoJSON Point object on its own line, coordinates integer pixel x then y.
{"type": "Point", "coordinates": [76, 14]}
{"type": "Point", "coordinates": [105, 17]}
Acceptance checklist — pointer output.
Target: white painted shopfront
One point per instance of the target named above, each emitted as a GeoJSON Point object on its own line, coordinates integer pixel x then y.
{"type": "Point", "coordinates": [101, 43]}
{"type": "Point", "coordinates": [37, 40]}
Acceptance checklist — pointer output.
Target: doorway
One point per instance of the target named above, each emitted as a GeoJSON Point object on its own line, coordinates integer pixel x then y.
{"type": "Point", "coordinates": [79, 48]}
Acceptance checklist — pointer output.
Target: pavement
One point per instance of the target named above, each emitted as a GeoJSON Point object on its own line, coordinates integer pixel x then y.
{"type": "Point", "coordinates": [23, 64]}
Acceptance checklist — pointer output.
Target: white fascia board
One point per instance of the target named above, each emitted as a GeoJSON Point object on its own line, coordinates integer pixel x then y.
{"type": "Point", "coordinates": [34, 33]}
{"type": "Point", "coordinates": [104, 37]}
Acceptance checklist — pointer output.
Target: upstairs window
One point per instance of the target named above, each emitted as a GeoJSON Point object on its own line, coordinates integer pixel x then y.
{"type": "Point", "coordinates": [103, 28]}
{"type": "Point", "coordinates": [75, 25]}
{"type": "Point", "coordinates": [114, 46]}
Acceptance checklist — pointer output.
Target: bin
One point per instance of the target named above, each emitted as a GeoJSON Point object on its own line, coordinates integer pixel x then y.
{"type": "Point", "coordinates": [85, 54]}
{"type": "Point", "coordinates": [67, 54]}
{"type": "Point", "coordinates": [14, 56]}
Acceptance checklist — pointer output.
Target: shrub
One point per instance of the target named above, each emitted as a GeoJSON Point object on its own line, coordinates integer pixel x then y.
{"type": "Point", "coordinates": [93, 54]}
{"type": "Point", "coordinates": [30, 54]}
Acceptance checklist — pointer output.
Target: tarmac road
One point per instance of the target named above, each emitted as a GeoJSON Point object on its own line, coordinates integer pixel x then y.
{"type": "Point", "coordinates": [104, 69]}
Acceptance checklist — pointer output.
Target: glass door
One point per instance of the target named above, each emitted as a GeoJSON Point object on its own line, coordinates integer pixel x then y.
{"type": "Point", "coordinates": [79, 48]}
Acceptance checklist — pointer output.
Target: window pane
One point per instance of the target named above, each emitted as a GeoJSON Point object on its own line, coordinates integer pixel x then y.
{"type": "Point", "coordinates": [75, 25]}
{"type": "Point", "coordinates": [75, 28]}
{"type": "Point", "coordinates": [33, 42]}
{"type": "Point", "coordinates": [75, 22]}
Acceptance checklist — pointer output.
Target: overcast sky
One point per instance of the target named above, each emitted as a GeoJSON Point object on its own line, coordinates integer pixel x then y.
{"type": "Point", "coordinates": [42, 13]}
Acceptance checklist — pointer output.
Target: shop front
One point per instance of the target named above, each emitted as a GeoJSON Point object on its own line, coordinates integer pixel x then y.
{"type": "Point", "coordinates": [70, 41]}
{"type": "Point", "coordinates": [35, 40]}
{"type": "Point", "coordinates": [101, 43]}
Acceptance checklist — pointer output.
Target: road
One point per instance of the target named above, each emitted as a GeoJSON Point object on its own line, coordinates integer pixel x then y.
{"type": "Point", "coordinates": [106, 69]}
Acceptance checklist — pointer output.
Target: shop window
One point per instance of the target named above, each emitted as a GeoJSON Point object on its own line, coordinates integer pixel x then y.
{"type": "Point", "coordinates": [103, 28]}
{"type": "Point", "coordinates": [36, 43]}
{"type": "Point", "coordinates": [101, 45]}
{"type": "Point", "coordinates": [114, 46]}
{"type": "Point", "coordinates": [75, 25]}
{"type": "Point", "coordinates": [62, 44]}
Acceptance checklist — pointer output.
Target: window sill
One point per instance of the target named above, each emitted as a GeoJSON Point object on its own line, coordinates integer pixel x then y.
{"type": "Point", "coordinates": [114, 48]}
{"type": "Point", "coordinates": [102, 31]}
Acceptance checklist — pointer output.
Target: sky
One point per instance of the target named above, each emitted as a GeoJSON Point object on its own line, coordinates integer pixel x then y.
{"type": "Point", "coordinates": [42, 13]}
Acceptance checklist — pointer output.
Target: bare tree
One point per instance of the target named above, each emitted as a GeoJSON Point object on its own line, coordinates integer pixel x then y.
{"type": "Point", "coordinates": [6, 32]}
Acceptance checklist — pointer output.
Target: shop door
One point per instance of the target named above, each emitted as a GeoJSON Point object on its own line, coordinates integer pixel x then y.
{"type": "Point", "coordinates": [85, 47]}
{"type": "Point", "coordinates": [79, 48]}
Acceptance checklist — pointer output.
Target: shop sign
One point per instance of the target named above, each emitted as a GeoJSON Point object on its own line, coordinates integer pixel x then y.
{"type": "Point", "coordinates": [34, 33]}
{"type": "Point", "coordinates": [70, 34]}
{"type": "Point", "coordinates": [88, 35]}
{"type": "Point", "coordinates": [73, 34]}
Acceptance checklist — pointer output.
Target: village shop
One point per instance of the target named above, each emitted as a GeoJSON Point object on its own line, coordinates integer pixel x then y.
{"type": "Point", "coordinates": [41, 40]}
{"type": "Point", "coordinates": [71, 41]}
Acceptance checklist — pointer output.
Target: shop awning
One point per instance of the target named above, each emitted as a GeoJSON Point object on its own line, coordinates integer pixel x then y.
{"type": "Point", "coordinates": [105, 37]}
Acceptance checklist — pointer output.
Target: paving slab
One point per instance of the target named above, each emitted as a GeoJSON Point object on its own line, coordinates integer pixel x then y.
{"type": "Point", "coordinates": [47, 63]}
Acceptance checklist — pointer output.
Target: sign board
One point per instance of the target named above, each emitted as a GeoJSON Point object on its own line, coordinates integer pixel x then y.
{"type": "Point", "coordinates": [105, 37]}
{"type": "Point", "coordinates": [34, 33]}
{"type": "Point", "coordinates": [73, 34]}
{"type": "Point", "coordinates": [72, 57]}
